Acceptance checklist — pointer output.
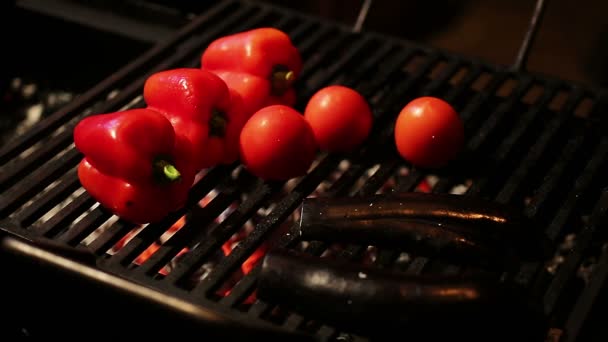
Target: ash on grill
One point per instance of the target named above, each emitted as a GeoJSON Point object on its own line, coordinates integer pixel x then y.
{"type": "Point", "coordinates": [24, 104]}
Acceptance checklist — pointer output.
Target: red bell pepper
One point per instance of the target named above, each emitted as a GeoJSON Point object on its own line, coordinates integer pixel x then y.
{"type": "Point", "coordinates": [202, 109]}
{"type": "Point", "coordinates": [264, 53]}
{"type": "Point", "coordinates": [134, 165]}
{"type": "Point", "coordinates": [254, 91]}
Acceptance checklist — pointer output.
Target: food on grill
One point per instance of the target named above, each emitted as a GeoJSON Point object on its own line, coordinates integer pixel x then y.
{"type": "Point", "coordinates": [264, 52]}
{"type": "Point", "coordinates": [277, 144]}
{"type": "Point", "coordinates": [340, 117]}
{"type": "Point", "coordinates": [255, 91]}
{"type": "Point", "coordinates": [444, 224]}
{"type": "Point", "coordinates": [203, 111]}
{"type": "Point", "coordinates": [355, 296]}
{"type": "Point", "coordinates": [133, 164]}
{"type": "Point", "coordinates": [449, 241]}
{"type": "Point", "coordinates": [429, 133]}
{"type": "Point", "coordinates": [261, 64]}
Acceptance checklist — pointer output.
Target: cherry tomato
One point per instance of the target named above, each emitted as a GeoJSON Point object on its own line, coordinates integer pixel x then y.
{"type": "Point", "coordinates": [277, 143]}
{"type": "Point", "coordinates": [340, 118]}
{"type": "Point", "coordinates": [428, 132]}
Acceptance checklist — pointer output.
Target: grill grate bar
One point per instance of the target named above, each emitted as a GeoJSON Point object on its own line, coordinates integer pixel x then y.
{"type": "Point", "coordinates": [242, 289]}
{"type": "Point", "coordinates": [481, 98]}
{"type": "Point", "coordinates": [66, 215]}
{"type": "Point", "coordinates": [587, 299]}
{"type": "Point", "coordinates": [368, 63]}
{"type": "Point", "coordinates": [540, 147]}
{"type": "Point", "coordinates": [36, 182]}
{"type": "Point", "coordinates": [110, 237]}
{"type": "Point", "coordinates": [443, 77]}
{"type": "Point", "coordinates": [353, 52]}
{"type": "Point", "coordinates": [68, 183]}
{"type": "Point", "coordinates": [573, 198]}
{"type": "Point", "coordinates": [84, 227]}
{"type": "Point", "coordinates": [283, 22]}
{"type": "Point", "coordinates": [493, 121]}
{"type": "Point", "coordinates": [465, 84]}
{"type": "Point", "coordinates": [384, 74]}
{"type": "Point", "coordinates": [298, 32]}
{"type": "Point", "coordinates": [583, 182]}
{"type": "Point", "coordinates": [503, 110]}
{"type": "Point", "coordinates": [508, 145]}
{"type": "Point", "coordinates": [175, 244]}
{"type": "Point", "coordinates": [222, 232]}
{"type": "Point", "coordinates": [153, 231]}
{"type": "Point", "coordinates": [399, 96]}
{"type": "Point", "coordinates": [58, 118]}
{"type": "Point", "coordinates": [314, 53]}
{"type": "Point", "coordinates": [379, 177]}
{"type": "Point", "coordinates": [551, 182]}
{"type": "Point", "coordinates": [583, 241]}
{"type": "Point", "coordinates": [11, 173]}
{"type": "Point", "coordinates": [278, 215]}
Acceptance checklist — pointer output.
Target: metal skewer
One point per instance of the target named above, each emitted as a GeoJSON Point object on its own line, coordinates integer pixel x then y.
{"type": "Point", "coordinates": [362, 15]}
{"type": "Point", "coordinates": [524, 49]}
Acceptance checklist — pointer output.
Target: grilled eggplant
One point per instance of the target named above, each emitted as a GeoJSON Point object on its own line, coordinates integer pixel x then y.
{"type": "Point", "coordinates": [439, 224]}
{"type": "Point", "coordinates": [371, 300]}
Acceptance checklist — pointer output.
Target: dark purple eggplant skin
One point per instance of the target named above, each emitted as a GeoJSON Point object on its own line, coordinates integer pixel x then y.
{"type": "Point", "coordinates": [438, 224]}
{"type": "Point", "coordinates": [441, 240]}
{"type": "Point", "coordinates": [365, 299]}
{"type": "Point", "coordinates": [418, 205]}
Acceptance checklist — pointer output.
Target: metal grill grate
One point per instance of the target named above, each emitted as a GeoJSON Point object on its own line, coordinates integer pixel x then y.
{"type": "Point", "coordinates": [533, 141]}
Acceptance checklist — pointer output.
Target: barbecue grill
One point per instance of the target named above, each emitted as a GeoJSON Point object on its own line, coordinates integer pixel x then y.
{"type": "Point", "coordinates": [533, 141]}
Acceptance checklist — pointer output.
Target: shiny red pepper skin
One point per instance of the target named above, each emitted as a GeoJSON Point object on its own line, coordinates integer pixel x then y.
{"type": "Point", "coordinates": [267, 53]}
{"type": "Point", "coordinates": [133, 164]}
{"type": "Point", "coordinates": [202, 109]}
{"type": "Point", "coordinates": [255, 91]}
{"type": "Point", "coordinates": [261, 52]}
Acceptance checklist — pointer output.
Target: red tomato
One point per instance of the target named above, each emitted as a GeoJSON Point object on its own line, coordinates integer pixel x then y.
{"type": "Point", "coordinates": [428, 132]}
{"type": "Point", "coordinates": [277, 143]}
{"type": "Point", "coordinates": [340, 118]}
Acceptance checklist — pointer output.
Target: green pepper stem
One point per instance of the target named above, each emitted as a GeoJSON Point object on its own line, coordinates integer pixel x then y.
{"type": "Point", "coordinates": [171, 172]}
{"type": "Point", "coordinates": [287, 76]}
{"type": "Point", "coordinates": [281, 80]}
{"type": "Point", "coordinates": [167, 171]}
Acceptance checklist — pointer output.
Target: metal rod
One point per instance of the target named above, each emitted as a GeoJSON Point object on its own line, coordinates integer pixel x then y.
{"type": "Point", "coordinates": [524, 49]}
{"type": "Point", "coordinates": [362, 15]}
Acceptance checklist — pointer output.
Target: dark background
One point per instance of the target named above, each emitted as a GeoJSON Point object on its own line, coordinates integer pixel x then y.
{"type": "Point", "coordinates": [68, 46]}
{"type": "Point", "coordinates": [572, 42]}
